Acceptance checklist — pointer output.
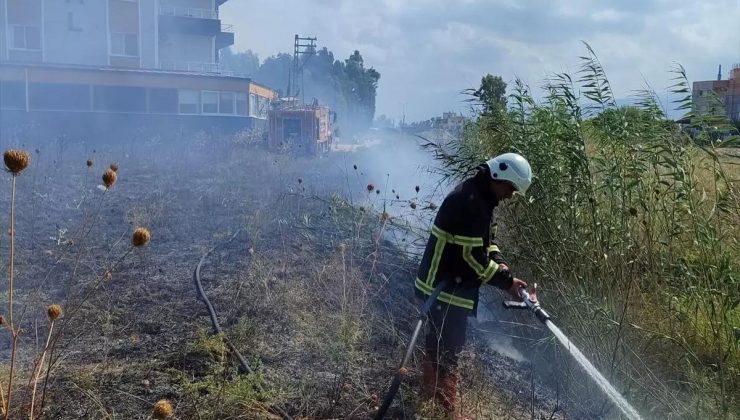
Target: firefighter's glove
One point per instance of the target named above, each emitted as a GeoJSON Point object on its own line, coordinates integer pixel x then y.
{"type": "Point", "coordinates": [503, 277]}
{"type": "Point", "coordinates": [516, 285]}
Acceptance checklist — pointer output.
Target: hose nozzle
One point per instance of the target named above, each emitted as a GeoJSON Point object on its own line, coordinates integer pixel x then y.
{"type": "Point", "coordinates": [529, 301]}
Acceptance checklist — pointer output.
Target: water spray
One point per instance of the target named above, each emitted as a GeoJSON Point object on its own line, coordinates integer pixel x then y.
{"type": "Point", "coordinates": [531, 303]}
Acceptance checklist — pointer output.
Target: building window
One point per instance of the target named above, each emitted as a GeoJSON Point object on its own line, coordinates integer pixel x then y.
{"type": "Point", "coordinates": [253, 106]}
{"type": "Point", "coordinates": [262, 106]}
{"type": "Point", "coordinates": [119, 99]}
{"type": "Point", "coordinates": [58, 96]}
{"type": "Point", "coordinates": [189, 101]}
{"type": "Point", "coordinates": [25, 37]}
{"type": "Point", "coordinates": [124, 44]}
{"type": "Point", "coordinates": [258, 106]}
{"type": "Point", "coordinates": [163, 101]}
{"type": "Point", "coordinates": [226, 103]}
{"type": "Point", "coordinates": [12, 95]}
{"type": "Point", "coordinates": [241, 104]}
{"type": "Point", "coordinates": [210, 102]}
{"type": "Point", "coordinates": [219, 102]}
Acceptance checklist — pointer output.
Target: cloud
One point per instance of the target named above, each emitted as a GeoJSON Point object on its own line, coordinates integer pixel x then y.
{"type": "Point", "coordinates": [428, 51]}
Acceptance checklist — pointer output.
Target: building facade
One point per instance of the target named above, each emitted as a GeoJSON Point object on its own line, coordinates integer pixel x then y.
{"type": "Point", "coordinates": [705, 95]}
{"type": "Point", "coordinates": [151, 61]}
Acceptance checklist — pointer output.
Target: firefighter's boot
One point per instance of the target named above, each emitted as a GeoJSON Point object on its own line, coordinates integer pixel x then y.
{"type": "Point", "coordinates": [428, 377]}
{"type": "Point", "coordinates": [447, 392]}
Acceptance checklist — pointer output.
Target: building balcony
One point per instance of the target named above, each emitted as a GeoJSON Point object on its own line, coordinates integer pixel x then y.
{"type": "Point", "coordinates": [194, 67]}
{"type": "Point", "coordinates": [188, 12]}
{"type": "Point", "coordinates": [189, 20]}
{"type": "Point", "coordinates": [189, 66]}
{"type": "Point", "coordinates": [225, 38]}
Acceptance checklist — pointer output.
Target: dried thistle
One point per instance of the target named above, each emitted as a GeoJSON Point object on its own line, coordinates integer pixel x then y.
{"type": "Point", "coordinates": [417, 188]}
{"type": "Point", "coordinates": [300, 180]}
{"type": "Point", "coordinates": [89, 163]}
{"type": "Point", "coordinates": [162, 409]}
{"type": "Point", "coordinates": [140, 237]}
{"type": "Point", "coordinates": [54, 311]}
{"type": "Point", "coordinates": [108, 275]}
{"type": "Point", "coordinates": [370, 187]}
{"type": "Point", "coordinates": [377, 192]}
{"type": "Point", "coordinates": [109, 178]}
{"type": "Point", "coordinates": [16, 160]}
{"type": "Point", "coordinates": [413, 206]}
{"type": "Point", "coordinates": [114, 167]}
{"type": "Point", "coordinates": [354, 166]}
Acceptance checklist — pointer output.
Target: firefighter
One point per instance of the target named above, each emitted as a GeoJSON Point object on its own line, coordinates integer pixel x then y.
{"type": "Point", "coordinates": [461, 250]}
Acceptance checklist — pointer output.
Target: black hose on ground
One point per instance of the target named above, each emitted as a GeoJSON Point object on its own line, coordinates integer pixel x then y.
{"type": "Point", "coordinates": [243, 365]}
{"type": "Point", "coordinates": [402, 370]}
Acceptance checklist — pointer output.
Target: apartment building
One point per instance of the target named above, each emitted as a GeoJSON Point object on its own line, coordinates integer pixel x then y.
{"type": "Point", "coordinates": [101, 61]}
{"type": "Point", "coordinates": [705, 93]}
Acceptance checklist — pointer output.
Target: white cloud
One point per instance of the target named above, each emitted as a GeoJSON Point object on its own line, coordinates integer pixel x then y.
{"type": "Point", "coordinates": [427, 51]}
{"type": "Point", "coordinates": [609, 15]}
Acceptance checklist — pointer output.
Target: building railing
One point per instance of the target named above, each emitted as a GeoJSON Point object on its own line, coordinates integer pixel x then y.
{"type": "Point", "coordinates": [188, 12]}
{"type": "Point", "coordinates": [227, 28]}
{"type": "Point", "coordinates": [190, 66]}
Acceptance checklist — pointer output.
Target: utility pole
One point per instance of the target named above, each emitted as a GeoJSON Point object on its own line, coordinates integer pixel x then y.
{"type": "Point", "coordinates": [300, 49]}
{"type": "Point", "coordinates": [403, 124]}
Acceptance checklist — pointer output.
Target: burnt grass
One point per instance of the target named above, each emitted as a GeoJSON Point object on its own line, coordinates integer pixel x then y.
{"type": "Point", "coordinates": [312, 290]}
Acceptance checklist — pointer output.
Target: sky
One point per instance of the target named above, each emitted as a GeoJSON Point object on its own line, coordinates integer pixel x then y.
{"type": "Point", "coordinates": [429, 51]}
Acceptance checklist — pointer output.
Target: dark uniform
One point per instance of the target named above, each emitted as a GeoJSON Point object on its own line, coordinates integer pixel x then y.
{"type": "Point", "coordinates": [461, 250]}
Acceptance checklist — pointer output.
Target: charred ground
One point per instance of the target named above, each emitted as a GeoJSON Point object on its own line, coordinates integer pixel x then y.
{"type": "Point", "coordinates": [313, 288]}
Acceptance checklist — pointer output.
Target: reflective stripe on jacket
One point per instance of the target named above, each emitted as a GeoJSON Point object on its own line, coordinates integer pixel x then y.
{"type": "Point", "coordinates": [460, 248]}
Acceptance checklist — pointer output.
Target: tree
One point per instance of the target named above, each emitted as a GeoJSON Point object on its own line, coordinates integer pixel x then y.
{"type": "Point", "coordinates": [274, 72]}
{"type": "Point", "coordinates": [491, 94]}
{"type": "Point", "coordinates": [244, 63]}
{"type": "Point", "coordinates": [347, 87]}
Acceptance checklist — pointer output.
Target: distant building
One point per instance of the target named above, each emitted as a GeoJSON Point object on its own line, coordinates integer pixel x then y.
{"type": "Point", "coordinates": [727, 90]}
{"type": "Point", "coordinates": [452, 122]}
{"type": "Point", "coordinates": [449, 121]}
{"type": "Point", "coordinates": [99, 62]}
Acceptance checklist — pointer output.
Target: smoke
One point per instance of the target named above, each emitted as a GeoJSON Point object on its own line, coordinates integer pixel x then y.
{"type": "Point", "coordinates": [498, 335]}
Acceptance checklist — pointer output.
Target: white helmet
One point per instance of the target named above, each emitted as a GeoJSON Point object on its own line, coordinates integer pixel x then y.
{"type": "Point", "coordinates": [513, 168]}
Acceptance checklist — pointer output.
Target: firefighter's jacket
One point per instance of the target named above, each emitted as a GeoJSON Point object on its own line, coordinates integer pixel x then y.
{"type": "Point", "coordinates": [460, 247]}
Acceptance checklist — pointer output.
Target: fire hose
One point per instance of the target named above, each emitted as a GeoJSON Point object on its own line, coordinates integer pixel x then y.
{"type": "Point", "coordinates": [529, 301]}
{"type": "Point", "coordinates": [243, 365]}
{"type": "Point", "coordinates": [402, 370]}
